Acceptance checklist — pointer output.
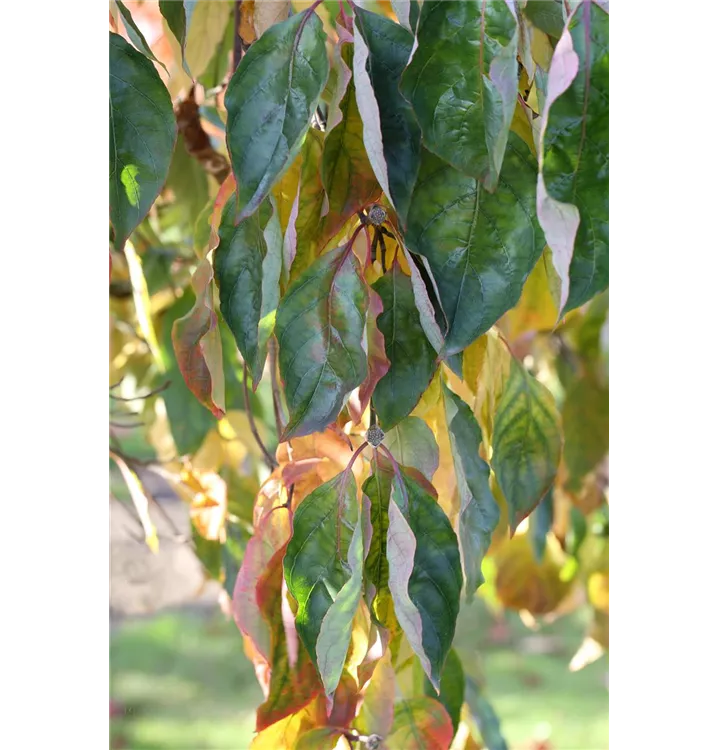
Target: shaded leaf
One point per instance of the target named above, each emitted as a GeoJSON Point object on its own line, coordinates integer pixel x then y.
{"type": "Point", "coordinates": [572, 190]}
{"type": "Point", "coordinates": [452, 688]}
{"type": "Point", "coordinates": [424, 573]}
{"type": "Point", "coordinates": [585, 424]}
{"type": "Point", "coordinates": [548, 15]}
{"type": "Point", "coordinates": [174, 12]}
{"type": "Point", "coordinates": [136, 36]}
{"type": "Point", "coordinates": [526, 444]}
{"type": "Point", "coordinates": [479, 514]}
{"type": "Point", "coordinates": [320, 568]}
{"type": "Point", "coordinates": [462, 83]}
{"type": "Point", "coordinates": [420, 724]}
{"type": "Point", "coordinates": [412, 358]}
{"type": "Point", "coordinates": [540, 523]}
{"type": "Point", "coordinates": [188, 181]}
{"type": "Point", "coordinates": [486, 718]}
{"type": "Point", "coordinates": [142, 137]}
{"type": "Point", "coordinates": [480, 246]}
{"type": "Point", "coordinates": [393, 127]}
{"type": "Point", "coordinates": [206, 24]}
{"type": "Point", "coordinates": [320, 323]}
{"type": "Point", "coordinates": [377, 488]}
{"type": "Point", "coordinates": [412, 443]}
{"type": "Point", "coordinates": [270, 100]}
{"type": "Point", "coordinates": [377, 361]}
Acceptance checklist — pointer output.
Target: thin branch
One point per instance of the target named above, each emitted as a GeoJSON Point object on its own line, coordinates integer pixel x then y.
{"type": "Point", "coordinates": [268, 457]}
{"type": "Point", "coordinates": [153, 392]}
{"type": "Point", "coordinates": [117, 384]}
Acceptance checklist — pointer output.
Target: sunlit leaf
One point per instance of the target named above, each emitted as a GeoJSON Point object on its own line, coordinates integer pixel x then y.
{"type": "Point", "coordinates": [412, 443]}
{"type": "Point", "coordinates": [481, 246]}
{"type": "Point", "coordinates": [479, 513]}
{"type": "Point", "coordinates": [320, 322]}
{"type": "Point", "coordinates": [142, 137]}
{"type": "Point", "coordinates": [526, 443]}
{"type": "Point", "coordinates": [270, 100]}
{"type": "Point", "coordinates": [420, 724]}
{"type": "Point", "coordinates": [411, 356]}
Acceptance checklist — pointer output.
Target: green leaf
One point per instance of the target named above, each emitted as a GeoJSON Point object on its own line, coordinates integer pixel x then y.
{"type": "Point", "coordinates": [412, 358]}
{"type": "Point", "coordinates": [479, 514]}
{"type": "Point", "coordinates": [540, 523]}
{"type": "Point", "coordinates": [322, 566]}
{"type": "Point", "coordinates": [377, 488]}
{"type": "Point", "coordinates": [452, 688]}
{"type": "Point", "coordinates": [412, 443]}
{"type": "Point", "coordinates": [347, 174]}
{"type": "Point", "coordinates": [270, 101]}
{"type": "Point", "coordinates": [424, 573]}
{"type": "Point", "coordinates": [527, 443]}
{"type": "Point", "coordinates": [188, 182]}
{"type": "Point", "coordinates": [480, 246]}
{"type": "Point", "coordinates": [394, 127]}
{"type": "Point", "coordinates": [572, 192]}
{"type": "Point", "coordinates": [420, 724]}
{"type": "Point", "coordinates": [462, 83]}
{"type": "Point", "coordinates": [206, 25]}
{"type": "Point", "coordinates": [136, 36]}
{"type": "Point", "coordinates": [486, 718]}
{"type": "Point", "coordinates": [320, 323]}
{"type": "Point", "coordinates": [585, 424]}
{"type": "Point", "coordinates": [142, 137]}
{"type": "Point", "coordinates": [547, 15]}
{"type": "Point", "coordinates": [173, 11]}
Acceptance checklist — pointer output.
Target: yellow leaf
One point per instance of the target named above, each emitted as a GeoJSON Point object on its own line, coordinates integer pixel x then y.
{"type": "Point", "coordinates": [285, 733]}
{"type": "Point", "coordinates": [235, 429]}
{"type": "Point", "coordinates": [285, 191]}
{"type": "Point", "coordinates": [536, 309]}
{"type": "Point", "coordinates": [359, 643]}
{"type": "Point", "coordinates": [541, 49]}
{"type": "Point", "coordinates": [598, 590]}
{"type": "Point", "coordinates": [206, 30]}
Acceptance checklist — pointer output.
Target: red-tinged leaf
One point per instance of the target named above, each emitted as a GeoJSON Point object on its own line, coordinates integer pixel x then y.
{"type": "Point", "coordinates": [420, 724]}
{"type": "Point", "coordinates": [291, 686]}
{"type": "Point", "coordinates": [376, 357]}
{"type": "Point", "coordinates": [198, 346]}
{"type": "Point", "coordinates": [270, 535]}
{"type": "Point", "coordinates": [344, 703]}
{"type": "Point", "coordinates": [284, 734]}
{"type": "Point", "coordinates": [377, 712]}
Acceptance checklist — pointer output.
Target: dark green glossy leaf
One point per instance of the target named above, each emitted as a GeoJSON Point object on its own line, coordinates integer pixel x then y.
{"type": "Point", "coordinates": [412, 358]}
{"type": "Point", "coordinates": [573, 185]}
{"type": "Point", "coordinates": [452, 688]}
{"type": "Point", "coordinates": [173, 11]}
{"type": "Point", "coordinates": [323, 570]}
{"type": "Point", "coordinates": [270, 101]}
{"type": "Point", "coordinates": [479, 514]}
{"type": "Point", "coordinates": [527, 443]}
{"type": "Point", "coordinates": [540, 523]}
{"type": "Point", "coordinates": [389, 46]}
{"type": "Point", "coordinates": [486, 718]}
{"type": "Point", "coordinates": [378, 489]}
{"type": "Point", "coordinates": [412, 443]}
{"type": "Point", "coordinates": [585, 424]}
{"type": "Point", "coordinates": [247, 270]}
{"type": "Point", "coordinates": [424, 573]}
{"type": "Point", "coordinates": [136, 36]}
{"type": "Point", "coordinates": [320, 323]}
{"type": "Point", "coordinates": [420, 724]}
{"type": "Point", "coordinates": [547, 15]}
{"type": "Point", "coordinates": [462, 82]}
{"type": "Point", "coordinates": [480, 246]}
{"type": "Point", "coordinates": [142, 137]}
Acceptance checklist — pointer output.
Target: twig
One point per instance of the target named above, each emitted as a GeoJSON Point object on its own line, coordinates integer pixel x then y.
{"type": "Point", "coordinates": [153, 392]}
{"type": "Point", "coordinates": [268, 457]}
{"type": "Point", "coordinates": [276, 396]}
{"type": "Point", "coordinates": [117, 384]}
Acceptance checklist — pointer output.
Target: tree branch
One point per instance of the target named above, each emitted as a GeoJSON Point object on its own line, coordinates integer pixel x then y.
{"type": "Point", "coordinates": [268, 457]}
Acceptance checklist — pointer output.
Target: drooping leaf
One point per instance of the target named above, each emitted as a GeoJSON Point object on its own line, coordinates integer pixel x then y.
{"type": "Point", "coordinates": [427, 313]}
{"type": "Point", "coordinates": [420, 724]}
{"type": "Point", "coordinates": [142, 137]}
{"type": "Point", "coordinates": [320, 566]}
{"type": "Point", "coordinates": [548, 15]}
{"type": "Point", "coordinates": [462, 83]}
{"type": "Point", "coordinates": [527, 443]}
{"type": "Point", "coordinates": [486, 718]}
{"type": "Point", "coordinates": [412, 358]}
{"type": "Point", "coordinates": [412, 443]}
{"type": "Point", "coordinates": [198, 346]}
{"type": "Point", "coordinates": [425, 577]}
{"type": "Point", "coordinates": [393, 127]}
{"type": "Point", "coordinates": [206, 23]}
{"type": "Point", "coordinates": [572, 190]}
{"type": "Point", "coordinates": [270, 101]}
{"type": "Point", "coordinates": [286, 732]}
{"type": "Point", "coordinates": [377, 488]}
{"type": "Point", "coordinates": [319, 328]}
{"type": "Point", "coordinates": [452, 688]}
{"type": "Point", "coordinates": [136, 36]}
{"type": "Point", "coordinates": [479, 513]}
{"type": "Point", "coordinates": [323, 738]}
{"type": "Point", "coordinates": [247, 294]}
{"type": "Point", "coordinates": [377, 361]}
{"type": "Point", "coordinates": [480, 246]}
{"type": "Point", "coordinates": [377, 712]}
{"type": "Point", "coordinates": [140, 500]}
{"type": "Point", "coordinates": [540, 523]}
{"type": "Point", "coordinates": [347, 174]}
{"type": "Point", "coordinates": [585, 424]}
{"type": "Point", "coordinates": [174, 12]}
